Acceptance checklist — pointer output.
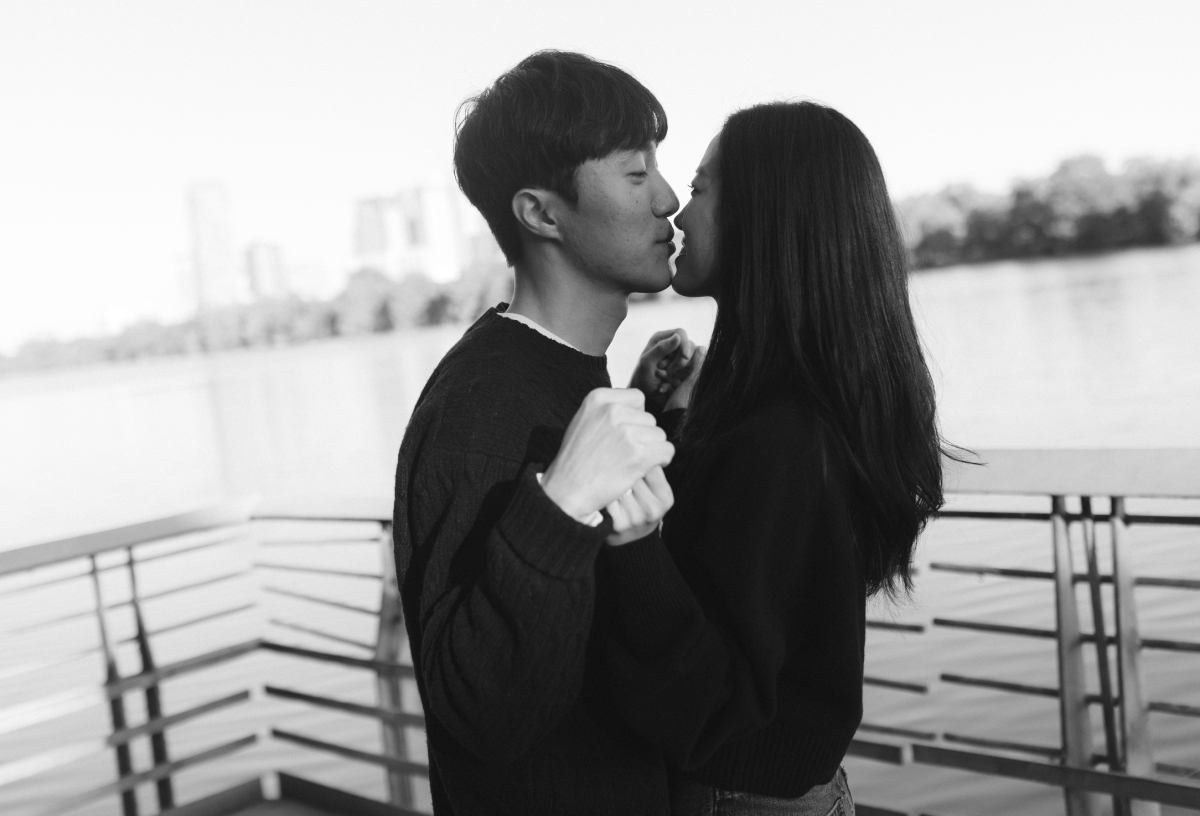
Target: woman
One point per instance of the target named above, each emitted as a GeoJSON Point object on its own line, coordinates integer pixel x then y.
{"type": "Point", "coordinates": [809, 460]}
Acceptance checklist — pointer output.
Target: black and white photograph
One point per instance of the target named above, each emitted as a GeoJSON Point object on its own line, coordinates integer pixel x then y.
{"type": "Point", "coordinates": [599, 409]}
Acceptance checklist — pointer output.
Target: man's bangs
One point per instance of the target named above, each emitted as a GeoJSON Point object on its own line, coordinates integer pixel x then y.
{"type": "Point", "coordinates": [631, 118]}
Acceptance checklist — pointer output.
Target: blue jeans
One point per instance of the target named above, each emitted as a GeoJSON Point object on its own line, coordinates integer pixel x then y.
{"type": "Point", "coordinates": [697, 799]}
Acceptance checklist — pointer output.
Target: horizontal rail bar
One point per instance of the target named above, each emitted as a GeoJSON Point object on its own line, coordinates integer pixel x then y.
{"type": "Point", "coordinates": [1173, 583]}
{"type": "Point", "coordinates": [1174, 708]}
{"type": "Point", "coordinates": [383, 666]}
{"type": "Point", "coordinates": [898, 627]}
{"type": "Point", "coordinates": [1190, 521]}
{"type": "Point", "coordinates": [317, 798]}
{"type": "Point", "coordinates": [204, 545]}
{"type": "Point", "coordinates": [993, 515]}
{"type": "Point", "coordinates": [1000, 685]}
{"type": "Point", "coordinates": [62, 579]}
{"type": "Point", "coordinates": [878, 751]}
{"type": "Point", "coordinates": [308, 630]}
{"type": "Point", "coordinates": [175, 590]}
{"type": "Point", "coordinates": [1005, 745]}
{"type": "Point", "coordinates": [899, 685]}
{"type": "Point", "coordinates": [23, 559]}
{"type": "Point", "coordinates": [1006, 572]}
{"type": "Point", "coordinates": [999, 628]}
{"type": "Point", "coordinates": [896, 731]}
{"type": "Point", "coordinates": [319, 600]}
{"type": "Point", "coordinates": [163, 723]}
{"type": "Point", "coordinates": [393, 763]}
{"type": "Point", "coordinates": [385, 714]}
{"type": "Point", "coordinates": [301, 542]}
{"type": "Point", "coordinates": [156, 773]}
{"type": "Point", "coordinates": [152, 678]}
{"type": "Point", "coordinates": [1177, 770]}
{"type": "Point", "coordinates": [1169, 645]}
{"type": "Point", "coordinates": [318, 570]}
{"type": "Point", "coordinates": [233, 610]}
{"type": "Point", "coordinates": [1115, 784]}
{"type": "Point", "coordinates": [88, 613]}
{"type": "Point", "coordinates": [1000, 515]}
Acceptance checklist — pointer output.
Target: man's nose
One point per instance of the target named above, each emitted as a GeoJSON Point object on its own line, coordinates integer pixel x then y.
{"type": "Point", "coordinates": [665, 201]}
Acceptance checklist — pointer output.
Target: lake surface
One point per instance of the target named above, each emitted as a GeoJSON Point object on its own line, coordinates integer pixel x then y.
{"type": "Point", "coordinates": [1080, 353]}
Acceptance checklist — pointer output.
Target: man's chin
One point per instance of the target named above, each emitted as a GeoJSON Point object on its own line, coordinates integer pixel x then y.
{"type": "Point", "coordinates": [659, 282]}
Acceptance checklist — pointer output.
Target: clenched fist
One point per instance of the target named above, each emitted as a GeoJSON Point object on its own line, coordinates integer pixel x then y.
{"type": "Point", "coordinates": [610, 444]}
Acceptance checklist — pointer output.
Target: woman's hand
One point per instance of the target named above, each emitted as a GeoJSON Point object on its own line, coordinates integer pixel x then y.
{"type": "Point", "coordinates": [681, 395]}
{"type": "Point", "coordinates": [663, 365]}
{"type": "Point", "coordinates": [638, 512]}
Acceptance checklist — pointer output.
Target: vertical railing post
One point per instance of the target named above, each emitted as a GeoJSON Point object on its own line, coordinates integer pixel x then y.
{"type": "Point", "coordinates": [116, 706]}
{"type": "Point", "coordinates": [1135, 721]}
{"type": "Point", "coordinates": [1073, 708]}
{"type": "Point", "coordinates": [388, 648]}
{"type": "Point", "coordinates": [1112, 752]}
{"type": "Point", "coordinates": [158, 739]}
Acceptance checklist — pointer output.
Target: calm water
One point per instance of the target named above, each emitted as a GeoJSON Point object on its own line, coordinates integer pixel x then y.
{"type": "Point", "coordinates": [1097, 352]}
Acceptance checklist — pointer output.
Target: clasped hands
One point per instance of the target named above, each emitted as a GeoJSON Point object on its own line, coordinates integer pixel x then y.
{"type": "Point", "coordinates": [613, 451]}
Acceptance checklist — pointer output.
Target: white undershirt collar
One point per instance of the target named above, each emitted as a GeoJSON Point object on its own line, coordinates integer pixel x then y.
{"type": "Point", "coordinates": [537, 327]}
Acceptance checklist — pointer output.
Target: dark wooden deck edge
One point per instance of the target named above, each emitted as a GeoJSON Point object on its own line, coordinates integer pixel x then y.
{"type": "Point", "coordinates": [225, 803]}
{"type": "Point", "coordinates": [335, 801]}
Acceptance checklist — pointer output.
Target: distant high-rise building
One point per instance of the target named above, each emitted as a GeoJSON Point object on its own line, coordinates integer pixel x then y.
{"type": "Point", "coordinates": [265, 271]}
{"type": "Point", "coordinates": [419, 230]}
{"type": "Point", "coordinates": [373, 234]}
{"type": "Point", "coordinates": [213, 260]}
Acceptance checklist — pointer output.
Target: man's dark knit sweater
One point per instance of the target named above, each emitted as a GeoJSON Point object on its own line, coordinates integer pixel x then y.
{"type": "Point", "coordinates": [738, 645]}
{"type": "Point", "coordinates": [498, 589]}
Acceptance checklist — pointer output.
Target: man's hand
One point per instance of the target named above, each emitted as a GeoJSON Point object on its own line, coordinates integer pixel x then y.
{"type": "Point", "coordinates": [639, 511]}
{"type": "Point", "coordinates": [663, 365]}
{"type": "Point", "coordinates": [681, 396]}
{"type": "Point", "coordinates": [610, 444]}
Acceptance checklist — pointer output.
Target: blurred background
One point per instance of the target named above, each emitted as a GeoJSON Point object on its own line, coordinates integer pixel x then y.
{"type": "Point", "coordinates": [232, 248]}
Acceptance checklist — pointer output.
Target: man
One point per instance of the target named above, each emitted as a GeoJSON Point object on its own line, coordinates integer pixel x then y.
{"type": "Point", "coordinates": [497, 514]}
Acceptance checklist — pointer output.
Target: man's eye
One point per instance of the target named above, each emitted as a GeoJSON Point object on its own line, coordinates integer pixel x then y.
{"type": "Point", "coordinates": [640, 173]}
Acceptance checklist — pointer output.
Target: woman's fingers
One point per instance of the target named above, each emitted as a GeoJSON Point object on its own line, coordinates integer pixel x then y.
{"type": "Point", "coordinates": [620, 518]}
{"type": "Point", "coordinates": [637, 514]}
{"type": "Point", "coordinates": [655, 481]}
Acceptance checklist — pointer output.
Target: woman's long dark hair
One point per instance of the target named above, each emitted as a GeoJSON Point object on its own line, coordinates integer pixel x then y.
{"type": "Point", "coordinates": [814, 302]}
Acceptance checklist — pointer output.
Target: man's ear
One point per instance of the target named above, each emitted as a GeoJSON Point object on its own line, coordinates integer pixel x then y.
{"type": "Point", "coordinates": [536, 211]}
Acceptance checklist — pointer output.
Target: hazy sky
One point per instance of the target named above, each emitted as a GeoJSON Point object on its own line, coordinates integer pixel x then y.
{"type": "Point", "coordinates": [108, 110]}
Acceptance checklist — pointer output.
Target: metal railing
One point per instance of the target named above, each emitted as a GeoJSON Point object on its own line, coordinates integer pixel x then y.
{"type": "Point", "coordinates": [1121, 766]}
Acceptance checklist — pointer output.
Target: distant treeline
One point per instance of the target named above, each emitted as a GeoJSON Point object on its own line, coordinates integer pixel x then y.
{"type": "Point", "coordinates": [1081, 207]}
{"type": "Point", "coordinates": [371, 302]}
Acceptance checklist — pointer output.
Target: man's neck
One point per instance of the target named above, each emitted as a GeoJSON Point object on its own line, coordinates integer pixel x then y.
{"type": "Point", "coordinates": [569, 305]}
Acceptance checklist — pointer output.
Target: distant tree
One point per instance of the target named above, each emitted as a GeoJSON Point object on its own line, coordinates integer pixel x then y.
{"type": "Point", "coordinates": [364, 305]}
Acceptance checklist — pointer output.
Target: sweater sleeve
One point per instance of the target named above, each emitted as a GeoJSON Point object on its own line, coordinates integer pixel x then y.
{"type": "Point", "coordinates": [690, 676]}
{"type": "Point", "coordinates": [506, 598]}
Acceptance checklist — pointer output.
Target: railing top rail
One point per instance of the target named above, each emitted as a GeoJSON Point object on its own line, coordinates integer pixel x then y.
{"type": "Point", "coordinates": [326, 508]}
{"type": "Point", "coordinates": [66, 549]}
{"type": "Point", "coordinates": [1145, 473]}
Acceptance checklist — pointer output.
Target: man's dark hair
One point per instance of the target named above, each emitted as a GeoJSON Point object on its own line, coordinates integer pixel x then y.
{"type": "Point", "coordinates": [814, 303]}
{"type": "Point", "coordinates": [537, 123]}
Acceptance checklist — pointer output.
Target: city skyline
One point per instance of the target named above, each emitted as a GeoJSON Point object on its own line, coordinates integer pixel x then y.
{"type": "Point", "coordinates": [304, 108]}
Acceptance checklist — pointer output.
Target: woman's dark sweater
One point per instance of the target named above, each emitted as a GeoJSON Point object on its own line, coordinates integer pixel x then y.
{"type": "Point", "coordinates": [499, 591]}
{"type": "Point", "coordinates": [736, 642]}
